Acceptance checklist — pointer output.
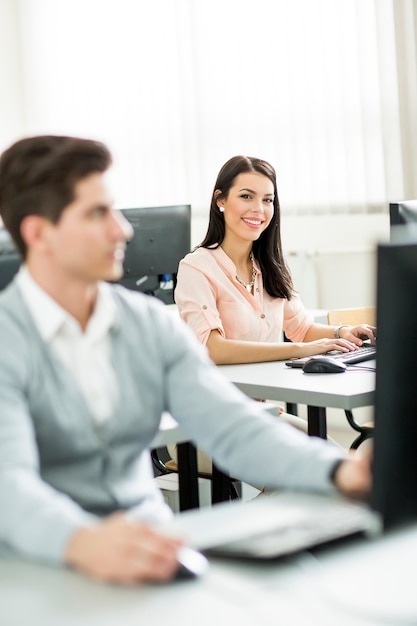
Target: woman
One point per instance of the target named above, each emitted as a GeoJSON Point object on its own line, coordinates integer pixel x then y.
{"type": "Point", "coordinates": [235, 289]}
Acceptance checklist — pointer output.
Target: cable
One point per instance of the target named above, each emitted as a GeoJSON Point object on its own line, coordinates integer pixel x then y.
{"type": "Point", "coordinates": [362, 367]}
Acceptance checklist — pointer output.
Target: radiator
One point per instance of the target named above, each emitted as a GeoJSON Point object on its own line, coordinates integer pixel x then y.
{"type": "Point", "coordinates": [333, 279]}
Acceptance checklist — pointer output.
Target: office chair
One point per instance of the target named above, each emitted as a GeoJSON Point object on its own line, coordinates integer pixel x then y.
{"type": "Point", "coordinates": [353, 317]}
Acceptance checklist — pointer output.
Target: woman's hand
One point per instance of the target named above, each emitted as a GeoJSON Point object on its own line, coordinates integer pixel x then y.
{"type": "Point", "coordinates": [358, 334]}
{"type": "Point", "coordinates": [321, 346]}
{"type": "Point", "coordinates": [350, 338]}
{"type": "Point", "coordinates": [122, 551]}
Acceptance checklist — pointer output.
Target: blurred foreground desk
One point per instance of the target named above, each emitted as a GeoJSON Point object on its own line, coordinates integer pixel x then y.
{"type": "Point", "coordinates": [319, 591]}
{"type": "Point", "coordinates": [275, 381]}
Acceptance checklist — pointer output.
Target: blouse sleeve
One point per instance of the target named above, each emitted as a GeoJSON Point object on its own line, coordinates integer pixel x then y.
{"type": "Point", "coordinates": [297, 320]}
{"type": "Point", "coordinates": [195, 296]}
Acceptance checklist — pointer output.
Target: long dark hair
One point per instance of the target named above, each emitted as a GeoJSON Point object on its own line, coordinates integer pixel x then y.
{"type": "Point", "coordinates": [267, 250]}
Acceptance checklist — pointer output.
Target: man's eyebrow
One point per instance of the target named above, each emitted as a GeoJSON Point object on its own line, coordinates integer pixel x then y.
{"type": "Point", "coordinates": [107, 204]}
{"type": "Point", "coordinates": [99, 205]}
{"type": "Point", "coordinates": [252, 191]}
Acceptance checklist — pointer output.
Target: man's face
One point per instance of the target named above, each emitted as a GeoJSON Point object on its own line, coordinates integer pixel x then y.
{"type": "Point", "coordinates": [88, 242]}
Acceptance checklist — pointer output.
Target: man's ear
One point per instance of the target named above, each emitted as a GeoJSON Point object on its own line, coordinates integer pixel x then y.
{"type": "Point", "coordinates": [32, 230]}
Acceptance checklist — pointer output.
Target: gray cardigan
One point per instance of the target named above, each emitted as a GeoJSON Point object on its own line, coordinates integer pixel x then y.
{"type": "Point", "coordinates": [59, 469]}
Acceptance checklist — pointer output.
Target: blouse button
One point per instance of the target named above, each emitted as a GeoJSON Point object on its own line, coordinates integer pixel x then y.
{"type": "Point", "coordinates": [262, 316]}
{"type": "Point", "coordinates": [204, 307]}
{"type": "Point", "coordinates": [257, 289]}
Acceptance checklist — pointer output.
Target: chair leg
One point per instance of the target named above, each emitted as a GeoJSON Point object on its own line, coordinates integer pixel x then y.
{"type": "Point", "coordinates": [365, 432]}
{"type": "Point", "coordinates": [158, 462]}
{"type": "Point", "coordinates": [359, 440]}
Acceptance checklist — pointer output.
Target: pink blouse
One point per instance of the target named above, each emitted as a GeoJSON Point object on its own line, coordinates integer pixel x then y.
{"type": "Point", "coordinates": [210, 298]}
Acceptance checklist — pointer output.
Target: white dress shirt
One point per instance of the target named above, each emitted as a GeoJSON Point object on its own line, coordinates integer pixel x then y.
{"type": "Point", "coordinates": [86, 354]}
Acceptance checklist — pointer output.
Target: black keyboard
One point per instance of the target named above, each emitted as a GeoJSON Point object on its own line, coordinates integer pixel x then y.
{"type": "Point", "coordinates": [364, 353]}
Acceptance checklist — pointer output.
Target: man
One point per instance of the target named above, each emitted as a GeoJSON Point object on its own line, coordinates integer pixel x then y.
{"type": "Point", "coordinates": [86, 369]}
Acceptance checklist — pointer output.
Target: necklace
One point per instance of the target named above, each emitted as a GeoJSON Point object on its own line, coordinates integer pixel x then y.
{"type": "Point", "coordinates": [248, 286]}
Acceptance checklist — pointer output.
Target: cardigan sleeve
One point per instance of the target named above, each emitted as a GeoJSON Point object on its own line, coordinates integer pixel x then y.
{"type": "Point", "coordinates": [242, 437]}
{"type": "Point", "coordinates": [36, 520]}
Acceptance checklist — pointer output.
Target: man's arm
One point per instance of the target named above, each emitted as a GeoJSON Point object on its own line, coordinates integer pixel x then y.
{"type": "Point", "coordinates": [36, 520]}
{"type": "Point", "coordinates": [353, 476]}
{"type": "Point", "coordinates": [240, 435]}
{"type": "Point", "coordinates": [40, 522]}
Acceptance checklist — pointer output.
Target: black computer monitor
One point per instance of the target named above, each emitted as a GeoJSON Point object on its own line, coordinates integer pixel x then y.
{"type": "Point", "coordinates": [402, 213]}
{"type": "Point", "coordinates": [10, 259]}
{"type": "Point", "coordinates": [162, 237]}
{"type": "Point", "coordinates": [395, 446]}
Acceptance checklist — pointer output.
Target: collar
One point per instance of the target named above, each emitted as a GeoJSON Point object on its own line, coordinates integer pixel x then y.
{"type": "Point", "coordinates": [227, 263]}
{"type": "Point", "coordinates": [50, 318]}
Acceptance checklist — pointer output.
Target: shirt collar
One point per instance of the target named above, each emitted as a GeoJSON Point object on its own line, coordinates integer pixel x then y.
{"type": "Point", "coordinates": [50, 318]}
{"type": "Point", "coordinates": [227, 262]}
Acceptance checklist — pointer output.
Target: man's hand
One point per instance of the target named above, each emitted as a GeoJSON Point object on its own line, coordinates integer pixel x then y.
{"type": "Point", "coordinates": [123, 551]}
{"type": "Point", "coordinates": [353, 477]}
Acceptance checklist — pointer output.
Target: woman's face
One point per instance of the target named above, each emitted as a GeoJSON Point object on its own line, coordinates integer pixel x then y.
{"type": "Point", "coordinates": [249, 206]}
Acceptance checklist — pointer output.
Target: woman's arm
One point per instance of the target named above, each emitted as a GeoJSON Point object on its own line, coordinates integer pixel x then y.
{"type": "Point", "coordinates": [231, 351]}
{"type": "Point", "coordinates": [352, 334]}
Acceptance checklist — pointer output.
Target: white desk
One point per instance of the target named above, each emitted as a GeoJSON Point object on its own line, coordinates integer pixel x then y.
{"type": "Point", "coordinates": [275, 381]}
{"type": "Point", "coordinates": [299, 591]}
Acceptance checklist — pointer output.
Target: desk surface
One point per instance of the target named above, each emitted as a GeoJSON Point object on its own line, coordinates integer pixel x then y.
{"type": "Point", "coordinates": [301, 590]}
{"type": "Point", "coordinates": [275, 381]}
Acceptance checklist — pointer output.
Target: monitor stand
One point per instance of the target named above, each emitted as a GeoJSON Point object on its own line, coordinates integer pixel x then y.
{"type": "Point", "coordinates": [166, 295]}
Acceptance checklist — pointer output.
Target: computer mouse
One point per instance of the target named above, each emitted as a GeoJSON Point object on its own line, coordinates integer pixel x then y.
{"type": "Point", "coordinates": [192, 563]}
{"type": "Point", "coordinates": [323, 365]}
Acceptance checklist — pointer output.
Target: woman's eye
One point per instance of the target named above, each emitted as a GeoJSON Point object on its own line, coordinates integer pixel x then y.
{"type": "Point", "coordinates": [269, 200]}
{"type": "Point", "coordinates": [245, 196]}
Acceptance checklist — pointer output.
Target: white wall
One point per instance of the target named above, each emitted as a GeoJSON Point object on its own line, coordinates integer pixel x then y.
{"type": "Point", "coordinates": [332, 257]}
{"type": "Point", "coordinates": [12, 123]}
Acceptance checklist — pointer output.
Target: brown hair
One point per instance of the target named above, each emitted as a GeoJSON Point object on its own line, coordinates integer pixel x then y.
{"type": "Point", "coordinates": [38, 177]}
